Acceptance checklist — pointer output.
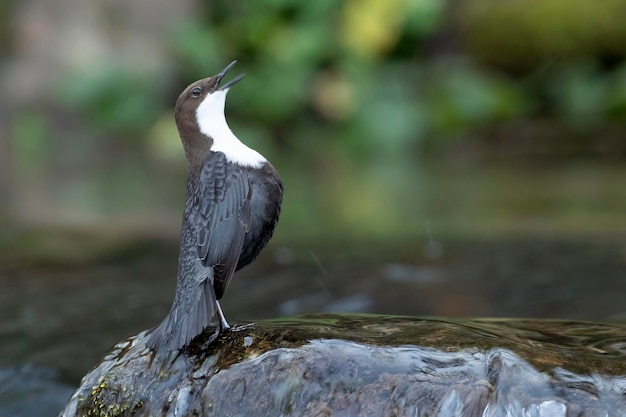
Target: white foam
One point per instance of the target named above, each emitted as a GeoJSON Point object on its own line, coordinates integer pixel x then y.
{"type": "Point", "coordinates": [212, 122]}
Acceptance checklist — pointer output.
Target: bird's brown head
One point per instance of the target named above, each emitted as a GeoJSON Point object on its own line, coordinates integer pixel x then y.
{"type": "Point", "coordinates": [200, 103]}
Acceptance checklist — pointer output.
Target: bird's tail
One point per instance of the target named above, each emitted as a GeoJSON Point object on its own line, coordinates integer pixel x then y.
{"type": "Point", "coordinates": [186, 320]}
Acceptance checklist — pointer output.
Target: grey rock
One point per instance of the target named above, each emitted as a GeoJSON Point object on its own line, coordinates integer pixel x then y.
{"type": "Point", "coordinates": [362, 365]}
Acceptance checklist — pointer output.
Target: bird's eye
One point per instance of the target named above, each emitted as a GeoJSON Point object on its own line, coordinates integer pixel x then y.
{"type": "Point", "coordinates": [195, 92]}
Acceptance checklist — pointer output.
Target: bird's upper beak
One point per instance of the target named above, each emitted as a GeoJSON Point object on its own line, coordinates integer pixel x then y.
{"type": "Point", "coordinates": [231, 82]}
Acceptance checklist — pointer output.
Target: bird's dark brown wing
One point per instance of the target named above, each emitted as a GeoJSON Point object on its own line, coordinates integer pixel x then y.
{"type": "Point", "coordinates": [222, 217]}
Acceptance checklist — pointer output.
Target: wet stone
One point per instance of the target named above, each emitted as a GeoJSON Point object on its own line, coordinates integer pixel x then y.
{"type": "Point", "coordinates": [362, 365]}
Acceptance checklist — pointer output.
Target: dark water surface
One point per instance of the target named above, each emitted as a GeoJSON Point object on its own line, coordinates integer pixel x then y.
{"type": "Point", "coordinates": [66, 311]}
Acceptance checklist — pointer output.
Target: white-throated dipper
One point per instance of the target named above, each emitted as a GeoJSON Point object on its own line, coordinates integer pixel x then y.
{"type": "Point", "coordinates": [233, 202]}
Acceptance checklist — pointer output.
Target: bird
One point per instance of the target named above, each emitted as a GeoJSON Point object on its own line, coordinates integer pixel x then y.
{"type": "Point", "coordinates": [233, 201]}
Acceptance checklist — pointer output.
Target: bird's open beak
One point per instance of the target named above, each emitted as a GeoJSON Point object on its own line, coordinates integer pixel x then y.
{"type": "Point", "coordinates": [231, 82]}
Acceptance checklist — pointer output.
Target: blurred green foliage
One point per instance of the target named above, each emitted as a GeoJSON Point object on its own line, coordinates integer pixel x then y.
{"type": "Point", "coordinates": [521, 35]}
{"type": "Point", "coordinates": [365, 77]}
{"type": "Point", "coordinates": [115, 98]}
{"type": "Point", "coordinates": [346, 96]}
{"type": "Point", "coordinates": [30, 131]}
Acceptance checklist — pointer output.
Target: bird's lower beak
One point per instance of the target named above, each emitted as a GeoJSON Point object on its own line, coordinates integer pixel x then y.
{"type": "Point", "coordinates": [231, 82]}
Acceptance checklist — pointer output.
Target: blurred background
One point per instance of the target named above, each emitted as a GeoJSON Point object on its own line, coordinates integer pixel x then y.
{"type": "Point", "coordinates": [451, 158]}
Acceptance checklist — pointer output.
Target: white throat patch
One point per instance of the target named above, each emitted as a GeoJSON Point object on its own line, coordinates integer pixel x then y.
{"type": "Point", "coordinates": [212, 122]}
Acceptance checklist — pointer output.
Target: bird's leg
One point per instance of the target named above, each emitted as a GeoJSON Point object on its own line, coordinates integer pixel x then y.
{"type": "Point", "coordinates": [223, 323]}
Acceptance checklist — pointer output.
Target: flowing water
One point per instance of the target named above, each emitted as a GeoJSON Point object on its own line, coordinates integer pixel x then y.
{"type": "Point", "coordinates": [67, 313]}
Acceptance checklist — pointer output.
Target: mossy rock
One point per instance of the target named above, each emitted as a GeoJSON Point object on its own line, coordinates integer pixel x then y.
{"type": "Point", "coordinates": [340, 365]}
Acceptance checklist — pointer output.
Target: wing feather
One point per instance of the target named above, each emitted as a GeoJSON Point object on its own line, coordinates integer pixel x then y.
{"type": "Point", "coordinates": [223, 218]}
